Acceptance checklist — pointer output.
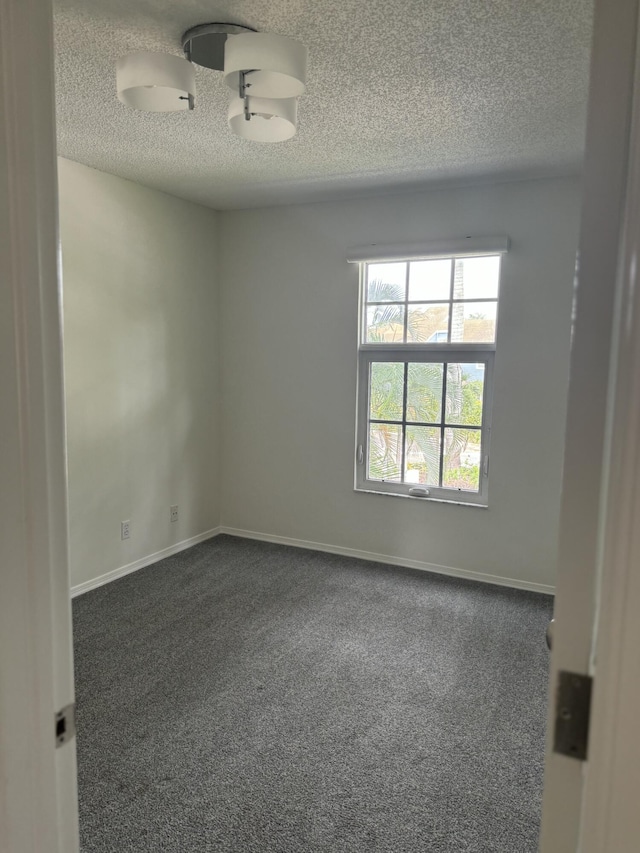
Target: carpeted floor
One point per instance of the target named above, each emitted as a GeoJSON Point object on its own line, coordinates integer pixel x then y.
{"type": "Point", "coordinates": [249, 697]}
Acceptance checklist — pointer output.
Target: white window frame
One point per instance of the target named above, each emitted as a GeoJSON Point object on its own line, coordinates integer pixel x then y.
{"type": "Point", "coordinates": [433, 352]}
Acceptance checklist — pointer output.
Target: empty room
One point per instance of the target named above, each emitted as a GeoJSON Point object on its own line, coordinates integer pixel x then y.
{"type": "Point", "coordinates": [318, 266]}
{"type": "Point", "coordinates": [298, 373]}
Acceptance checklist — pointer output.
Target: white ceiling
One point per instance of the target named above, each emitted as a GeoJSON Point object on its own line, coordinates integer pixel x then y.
{"type": "Point", "coordinates": [400, 94]}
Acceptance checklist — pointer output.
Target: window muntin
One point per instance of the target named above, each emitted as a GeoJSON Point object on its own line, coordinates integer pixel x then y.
{"type": "Point", "coordinates": [442, 300]}
{"type": "Point", "coordinates": [425, 377]}
{"type": "Point", "coordinates": [425, 423]}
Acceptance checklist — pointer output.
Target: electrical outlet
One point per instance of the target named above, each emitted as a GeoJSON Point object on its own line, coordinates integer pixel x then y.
{"type": "Point", "coordinates": [125, 529]}
{"type": "Point", "coordinates": [174, 512]}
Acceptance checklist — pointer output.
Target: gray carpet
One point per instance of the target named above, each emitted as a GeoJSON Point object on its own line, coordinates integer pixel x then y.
{"type": "Point", "coordinates": [242, 696]}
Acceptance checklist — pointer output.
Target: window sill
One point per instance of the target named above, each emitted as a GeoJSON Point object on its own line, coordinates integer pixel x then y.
{"type": "Point", "coordinates": [426, 499]}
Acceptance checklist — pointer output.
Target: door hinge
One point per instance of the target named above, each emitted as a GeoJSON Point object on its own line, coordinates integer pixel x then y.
{"type": "Point", "coordinates": [572, 712]}
{"type": "Point", "coordinates": [65, 724]}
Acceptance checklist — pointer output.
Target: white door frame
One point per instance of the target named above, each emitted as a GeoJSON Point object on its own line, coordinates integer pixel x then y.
{"type": "Point", "coordinates": [572, 788]}
{"type": "Point", "coordinates": [38, 807]}
{"type": "Point", "coordinates": [611, 808]}
{"type": "Point", "coordinates": [38, 800]}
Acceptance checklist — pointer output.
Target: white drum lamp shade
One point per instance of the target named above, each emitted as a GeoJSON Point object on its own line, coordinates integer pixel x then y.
{"type": "Point", "coordinates": [272, 120]}
{"type": "Point", "coordinates": [275, 66]}
{"type": "Point", "coordinates": [156, 82]}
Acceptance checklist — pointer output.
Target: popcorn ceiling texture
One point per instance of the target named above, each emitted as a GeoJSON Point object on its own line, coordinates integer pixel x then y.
{"type": "Point", "coordinates": [400, 94]}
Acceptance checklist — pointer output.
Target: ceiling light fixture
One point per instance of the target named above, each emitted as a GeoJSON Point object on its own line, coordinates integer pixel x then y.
{"type": "Point", "coordinates": [273, 66]}
{"type": "Point", "coordinates": [270, 119]}
{"type": "Point", "coordinates": [205, 44]}
{"type": "Point", "coordinates": [267, 71]}
{"type": "Point", "coordinates": [156, 82]}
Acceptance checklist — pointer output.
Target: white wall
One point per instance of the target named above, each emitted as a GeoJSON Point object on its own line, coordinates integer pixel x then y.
{"type": "Point", "coordinates": [141, 368]}
{"type": "Point", "coordinates": [288, 336]}
{"type": "Point", "coordinates": [144, 335]}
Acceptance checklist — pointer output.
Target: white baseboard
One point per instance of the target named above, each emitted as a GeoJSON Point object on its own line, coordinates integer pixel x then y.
{"type": "Point", "coordinates": [312, 546]}
{"type": "Point", "coordinates": [144, 561]}
{"type": "Point", "coordinates": [394, 561]}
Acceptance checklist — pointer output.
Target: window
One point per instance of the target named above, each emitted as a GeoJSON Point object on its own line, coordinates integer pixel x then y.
{"type": "Point", "coordinates": [426, 352]}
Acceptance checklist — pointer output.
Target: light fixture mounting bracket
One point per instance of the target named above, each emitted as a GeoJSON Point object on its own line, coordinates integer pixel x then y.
{"type": "Point", "coordinates": [204, 44]}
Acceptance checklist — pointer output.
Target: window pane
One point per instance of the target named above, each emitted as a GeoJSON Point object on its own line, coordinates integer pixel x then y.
{"type": "Point", "coordinates": [430, 280]}
{"type": "Point", "coordinates": [385, 452]}
{"type": "Point", "coordinates": [465, 390]}
{"type": "Point", "coordinates": [424, 392]}
{"type": "Point", "coordinates": [385, 323]}
{"type": "Point", "coordinates": [386, 282]}
{"type": "Point", "coordinates": [461, 468]}
{"type": "Point", "coordinates": [422, 455]}
{"type": "Point", "coordinates": [473, 322]}
{"type": "Point", "coordinates": [386, 390]}
{"type": "Point", "coordinates": [427, 323]}
{"type": "Point", "coordinates": [476, 278]}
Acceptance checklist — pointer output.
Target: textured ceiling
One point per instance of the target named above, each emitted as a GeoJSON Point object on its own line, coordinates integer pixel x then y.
{"type": "Point", "coordinates": [400, 93]}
